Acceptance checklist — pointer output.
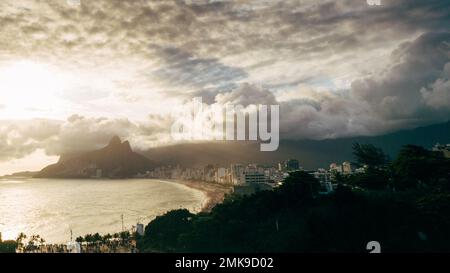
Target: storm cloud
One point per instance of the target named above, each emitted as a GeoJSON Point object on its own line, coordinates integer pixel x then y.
{"type": "Point", "coordinates": [121, 67]}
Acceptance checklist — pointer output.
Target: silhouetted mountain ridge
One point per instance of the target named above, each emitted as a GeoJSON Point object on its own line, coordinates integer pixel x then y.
{"type": "Point", "coordinates": [116, 160]}
{"type": "Point", "coordinates": [311, 153]}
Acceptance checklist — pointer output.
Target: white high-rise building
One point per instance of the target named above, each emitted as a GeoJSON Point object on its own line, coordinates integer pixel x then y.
{"type": "Point", "coordinates": [140, 229]}
{"type": "Point", "coordinates": [444, 149]}
{"type": "Point", "coordinates": [347, 167]}
{"type": "Point", "coordinates": [335, 167]}
{"type": "Point", "coordinates": [237, 174]}
{"type": "Point", "coordinates": [221, 175]}
{"type": "Point", "coordinates": [253, 175]}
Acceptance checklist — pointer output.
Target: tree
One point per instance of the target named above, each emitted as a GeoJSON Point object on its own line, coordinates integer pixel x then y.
{"type": "Point", "coordinates": [163, 232]}
{"type": "Point", "coordinates": [97, 237]}
{"type": "Point", "coordinates": [343, 195]}
{"type": "Point", "coordinates": [377, 175]}
{"type": "Point", "coordinates": [89, 238]}
{"type": "Point", "coordinates": [125, 235]}
{"type": "Point", "coordinates": [8, 246]}
{"type": "Point", "coordinates": [436, 218]}
{"type": "Point", "coordinates": [371, 179]}
{"type": "Point", "coordinates": [289, 219]}
{"type": "Point", "coordinates": [299, 186]}
{"type": "Point", "coordinates": [34, 242]}
{"type": "Point", "coordinates": [107, 237]}
{"type": "Point", "coordinates": [368, 154]}
{"type": "Point", "coordinates": [21, 239]}
{"type": "Point", "coordinates": [416, 167]}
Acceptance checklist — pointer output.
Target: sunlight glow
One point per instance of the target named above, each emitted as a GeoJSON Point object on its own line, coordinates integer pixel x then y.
{"type": "Point", "coordinates": [27, 87]}
{"type": "Point", "coordinates": [32, 162]}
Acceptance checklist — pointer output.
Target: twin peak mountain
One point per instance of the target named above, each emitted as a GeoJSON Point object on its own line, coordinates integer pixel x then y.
{"type": "Point", "coordinates": [116, 160]}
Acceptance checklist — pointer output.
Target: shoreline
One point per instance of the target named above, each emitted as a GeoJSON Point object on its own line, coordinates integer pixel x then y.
{"type": "Point", "coordinates": [214, 192]}
{"type": "Point", "coordinates": [211, 195]}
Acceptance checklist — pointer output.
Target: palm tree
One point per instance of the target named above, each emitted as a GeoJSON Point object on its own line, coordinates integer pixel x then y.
{"type": "Point", "coordinates": [20, 240]}
{"type": "Point", "coordinates": [88, 238]}
{"type": "Point", "coordinates": [79, 239]}
{"type": "Point", "coordinates": [97, 237]}
{"type": "Point", "coordinates": [107, 238]}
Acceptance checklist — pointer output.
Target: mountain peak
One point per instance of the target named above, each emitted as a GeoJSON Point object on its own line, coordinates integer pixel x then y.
{"type": "Point", "coordinates": [126, 146]}
{"type": "Point", "coordinates": [116, 160]}
{"type": "Point", "coordinates": [115, 144]}
{"type": "Point", "coordinates": [115, 141]}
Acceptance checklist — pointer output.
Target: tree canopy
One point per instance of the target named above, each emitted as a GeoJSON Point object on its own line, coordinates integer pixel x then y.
{"type": "Point", "coordinates": [370, 155]}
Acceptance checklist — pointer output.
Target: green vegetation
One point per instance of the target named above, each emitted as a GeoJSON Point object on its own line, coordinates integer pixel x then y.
{"type": "Point", "coordinates": [8, 246]}
{"type": "Point", "coordinates": [22, 242]}
{"type": "Point", "coordinates": [368, 154]}
{"type": "Point", "coordinates": [402, 204]}
{"type": "Point", "coordinates": [97, 238]}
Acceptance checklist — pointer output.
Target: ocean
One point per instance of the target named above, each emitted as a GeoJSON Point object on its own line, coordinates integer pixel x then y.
{"type": "Point", "coordinates": [52, 208]}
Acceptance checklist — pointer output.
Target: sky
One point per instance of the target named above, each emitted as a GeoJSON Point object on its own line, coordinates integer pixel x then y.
{"type": "Point", "coordinates": [75, 73]}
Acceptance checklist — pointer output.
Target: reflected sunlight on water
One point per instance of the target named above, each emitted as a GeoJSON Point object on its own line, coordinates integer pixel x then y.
{"type": "Point", "coordinates": [51, 207]}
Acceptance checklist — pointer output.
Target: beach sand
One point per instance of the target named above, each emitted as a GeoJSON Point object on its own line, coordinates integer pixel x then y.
{"type": "Point", "coordinates": [214, 192]}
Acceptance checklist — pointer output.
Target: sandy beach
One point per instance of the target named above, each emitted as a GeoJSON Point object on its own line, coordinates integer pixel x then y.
{"type": "Point", "coordinates": [214, 192]}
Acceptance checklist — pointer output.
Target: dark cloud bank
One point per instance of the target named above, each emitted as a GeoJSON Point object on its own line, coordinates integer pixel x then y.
{"type": "Point", "coordinates": [191, 41]}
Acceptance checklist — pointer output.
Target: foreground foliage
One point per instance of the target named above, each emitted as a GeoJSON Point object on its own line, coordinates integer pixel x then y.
{"type": "Point", "coordinates": [403, 205]}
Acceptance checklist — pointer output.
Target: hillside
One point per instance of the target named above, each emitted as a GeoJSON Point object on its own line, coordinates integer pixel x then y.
{"type": "Point", "coordinates": [116, 160]}
{"type": "Point", "coordinates": [311, 153]}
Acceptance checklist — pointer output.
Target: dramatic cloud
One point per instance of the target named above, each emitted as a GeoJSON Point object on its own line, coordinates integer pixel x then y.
{"type": "Point", "coordinates": [184, 70]}
{"type": "Point", "coordinates": [413, 91]}
{"type": "Point", "coordinates": [20, 138]}
{"type": "Point", "coordinates": [245, 95]}
{"type": "Point", "coordinates": [438, 95]}
{"type": "Point", "coordinates": [400, 96]}
{"type": "Point", "coordinates": [336, 68]}
{"type": "Point", "coordinates": [78, 133]}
